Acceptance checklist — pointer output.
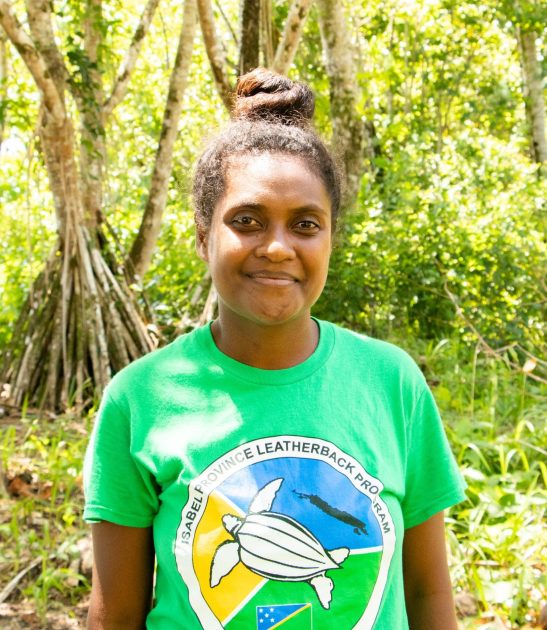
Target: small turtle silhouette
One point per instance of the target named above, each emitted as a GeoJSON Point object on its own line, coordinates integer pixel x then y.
{"type": "Point", "coordinates": [276, 547]}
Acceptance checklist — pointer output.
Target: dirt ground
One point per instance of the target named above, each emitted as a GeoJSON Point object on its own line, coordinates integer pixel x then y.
{"type": "Point", "coordinates": [23, 616]}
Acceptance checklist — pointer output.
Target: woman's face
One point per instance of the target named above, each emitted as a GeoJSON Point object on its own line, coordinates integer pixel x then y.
{"type": "Point", "coordinates": [269, 244]}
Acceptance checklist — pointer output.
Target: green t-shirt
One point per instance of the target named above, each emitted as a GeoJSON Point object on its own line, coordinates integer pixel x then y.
{"type": "Point", "coordinates": [277, 497]}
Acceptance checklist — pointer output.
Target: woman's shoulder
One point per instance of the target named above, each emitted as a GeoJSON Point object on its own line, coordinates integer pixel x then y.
{"type": "Point", "coordinates": [155, 367]}
{"type": "Point", "coordinates": [370, 353]}
{"type": "Point", "coordinates": [360, 342]}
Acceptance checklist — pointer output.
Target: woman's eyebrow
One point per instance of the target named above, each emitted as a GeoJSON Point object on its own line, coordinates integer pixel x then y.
{"type": "Point", "coordinates": [247, 205]}
{"type": "Point", "coordinates": [313, 209]}
{"type": "Point", "coordinates": [253, 205]}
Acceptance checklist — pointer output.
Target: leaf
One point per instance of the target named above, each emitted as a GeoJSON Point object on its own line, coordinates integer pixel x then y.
{"type": "Point", "coordinates": [529, 366]}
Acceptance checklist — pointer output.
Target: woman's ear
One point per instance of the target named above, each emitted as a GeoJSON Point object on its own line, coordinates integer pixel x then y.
{"type": "Point", "coordinates": [201, 245]}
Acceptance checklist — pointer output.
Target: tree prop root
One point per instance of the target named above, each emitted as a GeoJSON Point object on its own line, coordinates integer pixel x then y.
{"type": "Point", "coordinates": [80, 324]}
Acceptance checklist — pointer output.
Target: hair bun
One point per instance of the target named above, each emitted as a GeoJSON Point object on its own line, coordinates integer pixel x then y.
{"type": "Point", "coordinates": [265, 95]}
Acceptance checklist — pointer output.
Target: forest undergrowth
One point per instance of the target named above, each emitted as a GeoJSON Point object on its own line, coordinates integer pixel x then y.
{"type": "Point", "coordinates": [494, 416]}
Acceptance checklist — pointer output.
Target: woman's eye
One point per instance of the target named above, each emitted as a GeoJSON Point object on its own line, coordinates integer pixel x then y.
{"type": "Point", "coordinates": [307, 226]}
{"type": "Point", "coordinates": [245, 221]}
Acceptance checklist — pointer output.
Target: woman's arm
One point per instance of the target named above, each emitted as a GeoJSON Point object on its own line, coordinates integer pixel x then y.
{"type": "Point", "coordinates": [123, 567]}
{"type": "Point", "coordinates": [428, 590]}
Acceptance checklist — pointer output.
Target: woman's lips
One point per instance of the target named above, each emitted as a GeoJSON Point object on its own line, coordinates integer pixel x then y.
{"type": "Point", "coordinates": [272, 278]}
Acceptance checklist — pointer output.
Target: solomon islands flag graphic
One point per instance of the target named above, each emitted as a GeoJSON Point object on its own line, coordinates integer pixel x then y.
{"type": "Point", "coordinates": [281, 530]}
{"type": "Point", "coordinates": [290, 616]}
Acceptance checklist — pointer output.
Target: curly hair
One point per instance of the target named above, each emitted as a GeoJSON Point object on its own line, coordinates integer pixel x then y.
{"type": "Point", "coordinates": [271, 114]}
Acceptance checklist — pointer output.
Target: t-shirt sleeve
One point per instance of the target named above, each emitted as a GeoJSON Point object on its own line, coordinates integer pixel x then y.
{"type": "Point", "coordinates": [117, 487]}
{"type": "Point", "coordinates": [433, 481]}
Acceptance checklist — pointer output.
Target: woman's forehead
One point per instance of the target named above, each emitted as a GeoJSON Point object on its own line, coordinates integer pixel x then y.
{"type": "Point", "coordinates": [248, 159]}
{"type": "Point", "coordinates": [275, 175]}
{"type": "Point", "coordinates": [267, 165]}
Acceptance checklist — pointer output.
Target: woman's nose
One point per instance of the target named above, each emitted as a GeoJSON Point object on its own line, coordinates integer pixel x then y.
{"type": "Point", "coordinates": [276, 246]}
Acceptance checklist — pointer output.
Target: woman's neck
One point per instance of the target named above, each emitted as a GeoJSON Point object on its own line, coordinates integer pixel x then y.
{"type": "Point", "coordinates": [269, 347]}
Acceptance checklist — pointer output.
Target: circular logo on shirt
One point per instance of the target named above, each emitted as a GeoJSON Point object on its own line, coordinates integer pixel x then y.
{"type": "Point", "coordinates": [285, 531]}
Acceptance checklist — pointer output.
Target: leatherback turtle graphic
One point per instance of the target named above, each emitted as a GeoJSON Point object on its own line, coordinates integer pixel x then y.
{"type": "Point", "coordinates": [276, 547]}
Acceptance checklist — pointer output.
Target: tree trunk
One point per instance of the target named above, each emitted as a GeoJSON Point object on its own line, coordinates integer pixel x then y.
{"type": "Point", "coordinates": [215, 52]}
{"type": "Point", "coordinates": [533, 96]}
{"type": "Point", "coordinates": [249, 43]}
{"type": "Point", "coordinates": [80, 322]}
{"type": "Point", "coordinates": [288, 44]}
{"type": "Point", "coordinates": [351, 137]}
{"type": "Point", "coordinates": [266, 32]}
{"type": "Point", "coordinates": [143, 247]}
{"type": "Point", "coordinates": [92, 145]}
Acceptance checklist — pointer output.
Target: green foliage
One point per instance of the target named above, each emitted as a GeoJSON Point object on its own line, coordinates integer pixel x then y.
{"type": "Point", "coordinates": [172, 287]}
{"type": "Point", "coordinates": [47, 523]}
{"type": "Point", "coordinates": [447, 234]}
{"type": "Point", "coordinates": [464, 225]}
{"type": "Point", "coordinates": [453, 205]}
{"type": "Point", "coordinates": [495, 423]}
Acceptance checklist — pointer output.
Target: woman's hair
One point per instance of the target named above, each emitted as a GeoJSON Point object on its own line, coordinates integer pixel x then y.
{"type": "Point", "coordinates": [271, 114]}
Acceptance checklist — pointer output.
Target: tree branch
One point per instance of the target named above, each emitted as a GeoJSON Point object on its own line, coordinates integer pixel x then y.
{"type": "Point", "coordinates": [41, 29]}
{"type": "Point", "coordinates": [215, 52]}
{"type": "Point", "coordinates": [292, 31]}
{"type": "Point", "coordinates": [227, 22]}
{"type": "Point", "coordinates": [141, 252]}
{"type": "Point", "coordinates": [3, 80]}
{"type": "Point", "coordinates": [33, 60]}
{"type": "Point", "coordinates": [128, 64]}
{"type": "Point", "coordinates": [13, 583]}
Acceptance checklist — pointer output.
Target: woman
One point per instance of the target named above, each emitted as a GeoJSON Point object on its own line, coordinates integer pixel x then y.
{"type": "Point", "coordinates": [280, 469]}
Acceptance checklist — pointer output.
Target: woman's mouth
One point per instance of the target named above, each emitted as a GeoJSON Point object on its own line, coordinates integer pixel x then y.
{"type": "Point", "coordinates": [272, 278]}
